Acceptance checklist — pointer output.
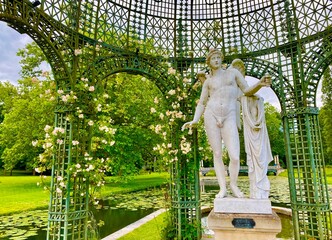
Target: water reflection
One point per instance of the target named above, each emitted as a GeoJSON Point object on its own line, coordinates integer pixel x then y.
{"type": "Point", "coordinates": [117, 218]}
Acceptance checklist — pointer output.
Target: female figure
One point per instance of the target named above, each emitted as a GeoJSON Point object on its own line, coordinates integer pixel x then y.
{"type": "Point", "coordinates": [257, 146]}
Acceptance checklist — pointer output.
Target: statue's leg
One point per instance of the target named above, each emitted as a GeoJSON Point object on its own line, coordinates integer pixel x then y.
{"type": "Point", "coordinates": [220, 173]}
{"type": "Point", "coordinates": [230, 136]}
{"type": "Point", "coordinates": [214, 136]}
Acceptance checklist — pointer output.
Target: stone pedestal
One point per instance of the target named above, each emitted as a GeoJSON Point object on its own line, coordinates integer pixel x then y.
{"type": "Point", "coordinates": [258, 224]}
{"type": "Point", "coordinates": [242, 205]}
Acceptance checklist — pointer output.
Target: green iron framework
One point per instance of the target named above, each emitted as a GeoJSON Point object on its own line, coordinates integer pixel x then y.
{"type": "Point", "coordinates": [291, 40]}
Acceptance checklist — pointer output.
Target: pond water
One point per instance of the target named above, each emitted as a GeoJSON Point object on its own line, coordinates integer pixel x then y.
{"type": "Point", "coordinates": [122, 209]}
{"type": "Point", "coordinates": [117, 218]}
{"type": "Point", "coordinates": [279, 192]}
{"type": "Point", "coordinates": [115, 212]}
{"type": "Point", "coordinates": [34, 225]}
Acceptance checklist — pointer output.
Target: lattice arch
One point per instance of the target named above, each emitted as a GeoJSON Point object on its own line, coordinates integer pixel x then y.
{"type": "Point", "coordinates": [257, 68]}
{"type": "Point", "coordinates": [50, 48]}
{"type": "Point", "coordinates": [156, 70]}
{"type": "Point", "coordinates": [320, 58]}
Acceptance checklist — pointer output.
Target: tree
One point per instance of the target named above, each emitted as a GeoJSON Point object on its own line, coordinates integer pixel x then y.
{"type": "Point", "coordinates": [275, 130]}
{"type": "Point", "coordinates": [31, 110]}
{"type": "Point", "coordinates": [325, 115]}
{"type": "Point", "coordinates": [26, 109]}
{"type": "Point", "coordinates": [131, 100]}
{"type": "Point", "coordinates": [31, 60]}
{"type": "Point", "coordinates": [7, 94]}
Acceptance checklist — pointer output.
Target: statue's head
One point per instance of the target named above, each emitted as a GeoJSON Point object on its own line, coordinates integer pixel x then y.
{"type": "Point", "coordinates": [239, 65]}
{"type": "Point", "coordinates": [212, 52]}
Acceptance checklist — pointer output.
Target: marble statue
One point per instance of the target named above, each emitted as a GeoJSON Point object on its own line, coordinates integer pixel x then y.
{"type": "Point", "coordinates": [257, 145]}
{"type": "Point", "coordinates": [219, 103]}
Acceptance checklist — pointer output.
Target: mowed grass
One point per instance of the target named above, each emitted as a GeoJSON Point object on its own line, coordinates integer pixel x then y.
{"type": "Point", "coordinates": [139, 182]}
{"type": "Point", "coordinates": [329, 175]}
{"type": "Point", "coordinates": [152, 230]}
{"type": "Point", "coordinates": [21, 193]}
{"type": "Point", "coordinates": [328, 172]}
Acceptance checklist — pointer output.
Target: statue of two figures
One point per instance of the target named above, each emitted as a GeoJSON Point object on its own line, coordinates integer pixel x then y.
{"type": "Point", "coordinates": [223, 92]}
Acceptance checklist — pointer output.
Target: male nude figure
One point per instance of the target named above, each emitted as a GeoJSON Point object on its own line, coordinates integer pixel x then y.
{"type": "Point", "coordinates": [218, 102]}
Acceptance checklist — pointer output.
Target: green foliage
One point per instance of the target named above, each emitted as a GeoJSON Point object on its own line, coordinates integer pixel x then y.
{"type": "Point", "coordinates": [189, 230]}
{"type": "Point", "coordinates": [31, 59]}
{"type": "Point", "coordinates": [325, 115]}
{"type": "Point", "coordinates": [275, 130]}
{"type": "Point", "coordinates": [169, 230]}
{"type": "Point", "coordinates": [131, 98]}
{"type": "Point", "coordinates": [8, 92]}
{"type": "Point", "coordinates": [125, 99]}
{"type": "Point", "coordinates": [31, 109]}
{"type": "Point", "coordinates": [26, 109]}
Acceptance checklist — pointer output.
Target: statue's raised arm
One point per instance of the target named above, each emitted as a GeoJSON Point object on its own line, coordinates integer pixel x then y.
{"type": "Point", "coordinates": [247, 90]}
{"type": "Point", "coordinates": [219, 103]}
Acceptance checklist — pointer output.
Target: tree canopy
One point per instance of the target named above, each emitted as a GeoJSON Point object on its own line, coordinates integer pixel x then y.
{"type": "Point", "coordinates": [325, 115]}
{"type": "Point", "coordinates": [127, 104]}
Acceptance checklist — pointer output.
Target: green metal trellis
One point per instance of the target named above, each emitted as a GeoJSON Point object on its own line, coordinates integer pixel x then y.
{"type": "Point", "coordinates": [289, 39]}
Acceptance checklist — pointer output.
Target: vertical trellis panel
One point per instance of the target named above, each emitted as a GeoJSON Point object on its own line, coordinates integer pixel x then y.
{"type": "Point", "coordinates": [68, 208]}
{"type": "Point", "coordinates": [307, 179]}
{"type": "Point", "coordinates": [185, 195]}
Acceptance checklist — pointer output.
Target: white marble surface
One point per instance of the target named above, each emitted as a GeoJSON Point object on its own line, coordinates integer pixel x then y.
{"type": "Point", "coordinates": [242, 205]}
{"type": "Point", "coordinates": [219, 103]}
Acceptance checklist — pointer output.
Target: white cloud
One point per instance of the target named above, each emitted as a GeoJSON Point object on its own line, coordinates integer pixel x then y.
{"type": "Point", "coordinates": [10, 42]}
{"type": "Point", "coordinates": [319, 102]}
{"type": "Point", "coordinates": [266, 93]}
{"type": "Point", "coordinates": [270, 97]}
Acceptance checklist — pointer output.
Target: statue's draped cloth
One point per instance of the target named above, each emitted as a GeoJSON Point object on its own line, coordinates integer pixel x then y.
{"type": "Point", "coordinates": [257, 145]}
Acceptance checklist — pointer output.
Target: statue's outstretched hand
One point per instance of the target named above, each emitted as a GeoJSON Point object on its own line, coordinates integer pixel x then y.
{"type": "Point", "coordinates": [188, 124]}
{"type": "Point", "coordinates": [266, 81]}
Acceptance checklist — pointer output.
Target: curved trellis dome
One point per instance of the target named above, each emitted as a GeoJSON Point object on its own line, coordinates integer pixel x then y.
{"type": "Point", "coordinates": [236, 26]}
{"type": "Point", "coordinates": [184, 30]}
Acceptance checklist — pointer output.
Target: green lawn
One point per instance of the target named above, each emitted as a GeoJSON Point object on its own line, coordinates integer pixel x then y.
{"type": "Point", "coordinates": [21, 193]}
{"type": "Point", "coordinates": [140, 182]}
{"type": "Point", "coordinates": [328, 171]}
{"type": "Point", "coordinates": [148, 231]}
{"type": "Point", "coordinates": [329, 174]}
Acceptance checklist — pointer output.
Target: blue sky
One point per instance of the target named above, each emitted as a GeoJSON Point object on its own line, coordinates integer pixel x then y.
{"type": "Point", "coordinates": [11, 41]}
